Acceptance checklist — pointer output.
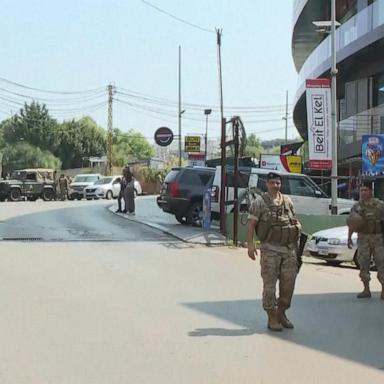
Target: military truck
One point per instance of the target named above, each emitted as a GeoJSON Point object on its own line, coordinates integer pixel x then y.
{"type": "Point", "coordinates": [30, 184]}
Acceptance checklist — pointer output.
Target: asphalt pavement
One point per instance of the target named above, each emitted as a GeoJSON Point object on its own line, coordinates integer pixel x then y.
{"type": "Point", "coordinates": [148, 213]}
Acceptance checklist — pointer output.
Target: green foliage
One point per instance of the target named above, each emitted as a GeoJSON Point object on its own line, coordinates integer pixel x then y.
{"type": "Point", "coordinates": [128, 147]}
{"type": "Point", "coordinates": [79, 139]}
{"type": "Point", "coordinates": [24, 155]}
{"type": "Point", "coordinates": [253, 147]}
{"type": "Point", "coordinates": [33, 125]}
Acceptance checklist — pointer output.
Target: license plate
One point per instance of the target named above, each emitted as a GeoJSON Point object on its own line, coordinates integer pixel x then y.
{"type": "Point", "coordinates": [323, 252]}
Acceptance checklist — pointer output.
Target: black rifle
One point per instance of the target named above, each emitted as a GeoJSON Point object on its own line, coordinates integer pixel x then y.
{"type": "Point", "coordinates": [300, 250]}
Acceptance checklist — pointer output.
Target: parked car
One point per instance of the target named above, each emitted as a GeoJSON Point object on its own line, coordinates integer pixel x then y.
{"type": "Point", "coordinates": [29, 183]}
{"type": "Point", "coordinates": [331, 246]}
{"type": "Point", "coordinates": [306, 195]}
{"type": "Point", "coordinates": [76, 188]}
{"type": "Point", "coordinates": [108, 187]}
{"type": "Point", "coordinates": [182, 193]}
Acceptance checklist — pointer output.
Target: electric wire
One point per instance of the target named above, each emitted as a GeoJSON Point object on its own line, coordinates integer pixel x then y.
{"type": "Point", "coordinates": [176, 17]}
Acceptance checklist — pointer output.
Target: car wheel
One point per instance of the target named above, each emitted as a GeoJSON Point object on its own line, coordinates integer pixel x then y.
{"type": "Point", "coordinates": [48, 195]}
{"type": "Point", "coordinates": [181, 219]}
{"type": "Point", "coordinates": [194, 216]}
{"type": "Point", "coordinates": [14, 194]}
{"type": "Point", "coordinates": [109, 195]}
{"type": "Point", "coordinates": [78, 198]}
{"type": "Point", "coordinates": [89, 198]}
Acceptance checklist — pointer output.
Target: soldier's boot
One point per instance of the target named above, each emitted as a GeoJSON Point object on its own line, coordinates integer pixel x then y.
{"type": "Point", "coordinates": [283, 320]}
{"type": "Point", "coordinates": [366, 293]}
{"type": "Point", "coordinates": [382, 293]}
{"type": "Point", "coordinates": [273, 323]}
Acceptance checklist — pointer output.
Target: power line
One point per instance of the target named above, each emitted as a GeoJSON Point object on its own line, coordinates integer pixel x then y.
{"type": "Point", "coordinates": [50, 91]}
{"type": "Point", "coordinates": [176, 17]}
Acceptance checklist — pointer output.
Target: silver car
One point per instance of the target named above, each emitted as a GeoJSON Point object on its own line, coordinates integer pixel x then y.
{"type": "Point", "coordinates": [108, 187]}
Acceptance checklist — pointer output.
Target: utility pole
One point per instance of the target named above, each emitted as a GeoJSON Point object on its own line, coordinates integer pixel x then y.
{"type": "Point", "coordinates": [207, 112]}
{"type": "Point", "coordinates": [179, 115]}
{"type": "Point", "coordinates": [286, 118]}
{"type": "Point", "coordinates": [334, 111]}
{"type": "Point", "coordinates": [223, 138]}
{"type": "Point", "coordinates": [109, 140]}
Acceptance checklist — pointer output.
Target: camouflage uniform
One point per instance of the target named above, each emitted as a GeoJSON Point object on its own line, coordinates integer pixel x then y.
{"type": "Point", "coordinates": [278, 261]}
{"type": "Point", "coordinates": [370, 238]}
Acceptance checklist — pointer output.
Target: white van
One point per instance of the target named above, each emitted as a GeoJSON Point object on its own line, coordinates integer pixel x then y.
{"type": "Point", "coordinates": [306, 195]}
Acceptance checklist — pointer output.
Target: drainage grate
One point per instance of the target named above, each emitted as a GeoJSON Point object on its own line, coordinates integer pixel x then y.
{"type": "Point", "coordinates": [22, 238]}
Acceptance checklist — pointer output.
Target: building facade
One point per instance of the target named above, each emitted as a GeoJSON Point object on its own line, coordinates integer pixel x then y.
{"type": "Point", "coordinates": [360, 63]}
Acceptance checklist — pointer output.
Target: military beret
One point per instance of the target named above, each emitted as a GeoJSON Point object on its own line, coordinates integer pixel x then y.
{"type": "Point", "coordinates": [273, 175]}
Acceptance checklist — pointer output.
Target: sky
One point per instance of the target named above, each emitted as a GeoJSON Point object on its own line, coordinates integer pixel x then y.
{"type": "Point", "coordinates": [65, 53]}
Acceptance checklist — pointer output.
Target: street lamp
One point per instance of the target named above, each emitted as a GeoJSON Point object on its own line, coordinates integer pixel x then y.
{"type": "Point", "coordinates": [330, 27]}
{"type": "Point", "coordinates": [207, 112]}
{"type": "Point", "coordinates": [180, 113]}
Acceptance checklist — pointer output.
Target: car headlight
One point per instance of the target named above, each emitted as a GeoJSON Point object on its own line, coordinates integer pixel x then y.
{"type": "Point", "coordinates": [99, 191]}
{"type": "Point", "coordinates": [334, 241]}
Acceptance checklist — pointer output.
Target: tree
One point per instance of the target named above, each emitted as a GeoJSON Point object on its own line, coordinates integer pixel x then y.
{"type": "Point", "coordinates": [129, 147]}
{"type": "Point", "coordinates": [33, 125]}
{"type": "Point", "coordinates": [79, 139]}
{"type": "Point", "coordinates": [24, 155]}
{"type": "Point", "coordinates": [253, 147]}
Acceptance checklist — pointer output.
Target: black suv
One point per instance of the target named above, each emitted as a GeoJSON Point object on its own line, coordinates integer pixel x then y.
{"type": "Point", "coordinates": [182, 193]}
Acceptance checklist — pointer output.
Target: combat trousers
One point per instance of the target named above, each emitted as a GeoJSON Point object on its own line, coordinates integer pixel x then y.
{"type": "Point", "coordinates": [368, 246]}
{"type": "Point", "coordinates": [278, 263]}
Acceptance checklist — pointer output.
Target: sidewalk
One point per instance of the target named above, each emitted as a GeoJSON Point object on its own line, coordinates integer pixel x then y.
{"type": "Point", "coordinates": [148, 213]}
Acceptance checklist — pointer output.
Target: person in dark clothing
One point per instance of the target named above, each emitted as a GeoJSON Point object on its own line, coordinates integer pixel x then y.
{"type": "Point", "coordinates": [129, 194]}
{"type": "Point", "coordinates": [121, 195]}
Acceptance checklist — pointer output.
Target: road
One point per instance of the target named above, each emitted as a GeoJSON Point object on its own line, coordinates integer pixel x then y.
{"type": "Point", "coordinates": [101, 299]}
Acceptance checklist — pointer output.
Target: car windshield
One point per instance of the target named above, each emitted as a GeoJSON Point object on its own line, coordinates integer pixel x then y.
{"type": "Point", "coordinates": [85, 179]}
{"type": "Point", "coordinates": [316, 187]}
{"type": "Point", "coordinates": [104, 180]}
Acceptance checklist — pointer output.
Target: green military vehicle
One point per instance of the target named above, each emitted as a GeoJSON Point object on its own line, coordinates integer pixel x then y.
{"type": "Point", "coordinates": [31, 184]}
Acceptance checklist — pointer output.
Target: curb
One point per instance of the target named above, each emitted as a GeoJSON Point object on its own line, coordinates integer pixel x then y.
{"type": "Point", "coordinates": [162, 229]}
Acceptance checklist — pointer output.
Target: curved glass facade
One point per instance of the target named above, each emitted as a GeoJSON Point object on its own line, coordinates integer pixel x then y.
{"type": "Point", "coordinates": [361, 24]}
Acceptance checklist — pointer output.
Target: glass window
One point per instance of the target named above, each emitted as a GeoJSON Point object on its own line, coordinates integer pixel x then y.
{"type": "Point", "coordinates": [31, 176]}
{"type": "Point", "coordinates": [300, 187]}
{"type": "Point", "coordinates": [104, 180]}
{"type": "Point", "coordinates": [206, 178]}
{"type": "Point", "coordinates": [378, 90]}
{"type": "Point", "coordinates": [171, 176]}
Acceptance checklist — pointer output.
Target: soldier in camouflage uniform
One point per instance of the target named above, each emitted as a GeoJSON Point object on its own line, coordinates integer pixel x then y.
{"type": "Point", "coordinates": [273, 217]}
{"type": "Point", "coordinates": [366, 219]}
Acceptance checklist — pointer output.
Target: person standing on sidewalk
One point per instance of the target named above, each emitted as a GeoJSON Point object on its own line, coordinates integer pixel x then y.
{"type": "Point", "coordinates": [120, 198]}
{"type": "Point", "coordinates": [366, 218]}
{"type": "Point", "coordinates": [129, 192]}
{"type": "Point", "coordinates": [272, 216]}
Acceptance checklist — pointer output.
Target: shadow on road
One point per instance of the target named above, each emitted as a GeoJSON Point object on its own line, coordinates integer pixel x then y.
{"type": "Point", "coordinates": [336, 323]}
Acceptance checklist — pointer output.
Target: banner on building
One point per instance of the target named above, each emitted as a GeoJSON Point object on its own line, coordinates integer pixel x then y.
{"type": "Point", "coordinates": [281, 163]}
{"type": "Point", "coordinates": [373, 155]}
{"type": "Point", "coordinates": [318, 96]}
